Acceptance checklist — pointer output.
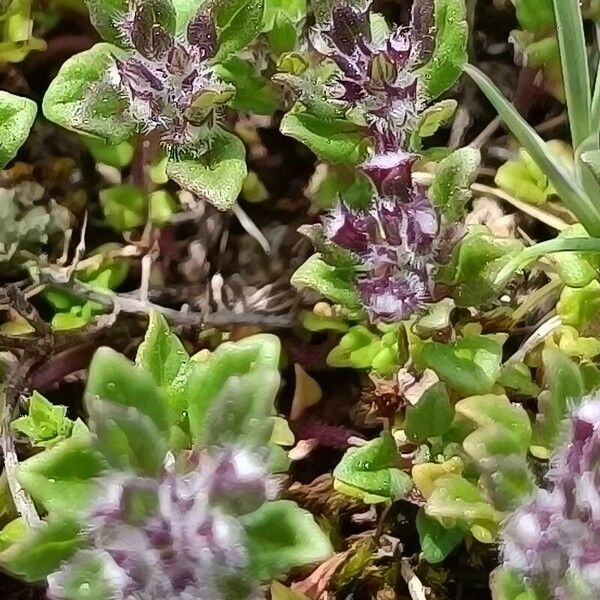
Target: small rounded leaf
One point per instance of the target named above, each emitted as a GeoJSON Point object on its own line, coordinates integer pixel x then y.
{"type": "Point", "coordinates": [218, 175]}
{"type": "Point", "coordinates": [17, 115]}
{"type": "Point", "coordinates": [86, 97]}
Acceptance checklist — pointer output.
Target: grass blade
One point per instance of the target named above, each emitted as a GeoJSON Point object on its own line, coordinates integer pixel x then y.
{"type": "Point", "coordinates": [575, 68]}
{"type": "Point", "coordinates": [564, 182]}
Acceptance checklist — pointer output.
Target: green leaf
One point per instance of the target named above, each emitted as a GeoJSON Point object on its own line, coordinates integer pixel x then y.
{"type": "Point", "coordinates": [85, 97]}
{"type": "Point", "coordinates": [434, 117]}
{"type": "Point", "coordinates": [492, 409]}
{"type": "Point", "coordinates": [113, 378]}
{"type": "Point", "coordinates": [161, 353]}
{"type": "Point", "coordinates": [371, 472]}
{"type": "Point", "coordinates": [241, 411]}
{"type": "Point", "coordinates": [518, 378]}
{"type": "Point", "coordinates": [284, 35]}
{"type": "Point", "coordinates": [238, 23]}
{"type": "Point", "coordinates": [579, 307]}
{"type": "Point", "coordinates": [450, 52]}
{"type": "Point", "coordinates": [575, 69]}
{"type": "Point", "coordinates": [534, 15]}
{"type": "Point", "coordinates": [356, 349]}
{"type": "Point", "coordinates": [124, 206]}
{"type": "Point", "coordinates": [283, 20]}
{"type": "Point", "coordinates": [563, 389]}
{"type": "Point", "coordinates": [280, 592]}
{"type": "Point", "coordinates": [294, 10]}
{"type": "Point", "coordinates": [282, 536]}
{"type": "Point", "coordinates": [475, 264]}
{"type": "Point", "coordinates": [161, 207]}
{"type": "Point", "coordinates": [16, 119]}
{"type": "Point", "coordinates": [456, 502]}
{"type": "Point", "coordinates": [43, 551]}
{"type": "Point", "coordinates": [450, 190]}
{"type": "Point", "coordinates": [12, 533]}
{"type": "Point", "coordinates": [206, 382]}
{"type": "Point", "coordinates": [217, 176]}
{"type": "Point", "coordinates": [576, 270]}
{"type": "Point", "coordinates": [45, 424]}
{"type": "Point", "coordinates": [470, 365]}
{"type": "Point", "coordinates": [254, 93]}
{"type": "Point", "coordinates": [565, 184]}
{"type": "Point", "coordinates": [335, 284]}
{"type": "Point", "coordinates": [126, 438]}
{"type": "Point", "coordinates": [498, 448]}
{"type": "Point", "coordinates": [119, 155]}
{"type": "Point", "coordinates": [61, 478]}
{"type": "Point", "coordinates": [88, 576]}
{"type": "Point", "coordinates": [524, 179]}
{"type": "Point", "coordinates": [104, 14]}
{"type": "Point", "coordinates": [508, 584]}
{"type": "Point", "coordinates": [333, 140]}
{"type": "Point", "coordinates": [431, 416]}
{"type": "Point", "coordinates": [437, 541]}
{"type": "Point", "coordinates": [331, 183]}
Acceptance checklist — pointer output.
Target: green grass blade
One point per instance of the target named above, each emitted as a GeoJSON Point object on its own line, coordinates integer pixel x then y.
{"type": "Point", "coordinates": [564, 182]}
{"type": "Point", "coordinates": [595, 115]}
{"type": "Point", "coordinates": [575, 68]}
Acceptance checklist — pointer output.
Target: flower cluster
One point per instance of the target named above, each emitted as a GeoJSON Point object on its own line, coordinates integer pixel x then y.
{"type": "Point", "coordinates": [394, 240]}
{"type": "Point", "coordinates": [377, 75]}
{"type": "Point", "coordinates": [168, 80]}
{"type": "Point", "coordinates": [175, 537]}
{"type": "Point", "coordinates": [554, 540]}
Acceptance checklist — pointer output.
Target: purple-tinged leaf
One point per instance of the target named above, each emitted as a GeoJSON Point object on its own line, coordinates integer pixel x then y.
{"type": "Point", "coordinates": [347, 228]}
{"type": "Point", "coordinates": [422, 25]}
{"type": "Point", "coordinates": [202, 34]}
{"type": "Point", "coordinates": [393, 298]}
{"type": "Point", "coordinates": [390, 171]}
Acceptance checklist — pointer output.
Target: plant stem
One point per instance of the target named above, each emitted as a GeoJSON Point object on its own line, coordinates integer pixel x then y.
{"type": "Point", "coordinates": [530, 255]}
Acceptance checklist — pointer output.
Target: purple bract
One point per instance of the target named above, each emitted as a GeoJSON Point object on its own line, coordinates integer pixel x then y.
{"type": "Point", "coordinates": [169, 81]}
{"type": "Point", "coordinates": [177, 537]}
{"type": "Point", "coordinates": [554, 540]}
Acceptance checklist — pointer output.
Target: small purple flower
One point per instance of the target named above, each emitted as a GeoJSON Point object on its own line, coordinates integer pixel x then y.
{"type": "Point", "coordinates": [377, 76]}
{"type": "Point", "coordinates": [167, 78]}
{"type": "Point", "coordinates": [392, 298]}
{"type": "Point", "coordinates": [554, 539]}
{"type": "Point", "coordinates": [176, 537]}
{"type": "Point", "coordinates": [391, 172]}
{"type": "Point", "coordinates": [349, 229]}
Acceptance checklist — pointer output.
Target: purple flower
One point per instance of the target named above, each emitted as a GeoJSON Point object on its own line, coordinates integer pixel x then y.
{"type": "Point", "coordinates": [171, 86]}
{"type": "Point", "coordinates": [391, 172]}
{"type": "Point", "coordinates": [349, 229]}
{"type": "Point", "coordinates": [392, 298]}
{"type": "Point", "coordinates": [395, 241]}
{"type": "Point", "coordinates": [177, 537]}
{"type": "Point", "coordinates": [554, 539]}
{"type": "Point", "coordinates": [377, 76]}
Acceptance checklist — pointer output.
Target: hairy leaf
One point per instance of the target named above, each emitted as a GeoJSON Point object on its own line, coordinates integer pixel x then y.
{"type": "Point", "coordinates": [218, 175]}
{"type": "Point", "coordinates": [450, 53]}
{"type": "Point", "coordinates": [86, 97]}
{"type": "Point", "coordinates": [17, 115]}
{"type": "Point", "coordinates": [334, 283]}
{"type": "Point", "coordinates": [450, 190]}
{"type": "Point", "coordinates": [281, 535]}
{"type": "Point", "coordinates": [371, 472]}
{"type": "Point", "coordinates": [333, 140]}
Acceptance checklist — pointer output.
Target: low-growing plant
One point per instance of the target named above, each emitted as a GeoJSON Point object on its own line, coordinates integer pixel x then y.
{"type": "Point", "coordinates": [371, 106]}
{"type": "Point", "coordinates": [170, 492]}
{"type": "Point", "coordinates": [549, 544]}
{"type": "Point", "coordinates": [166, 71]}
